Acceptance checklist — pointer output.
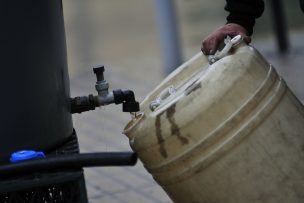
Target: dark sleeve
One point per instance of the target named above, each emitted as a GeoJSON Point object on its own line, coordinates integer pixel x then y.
{"type": "Point", "coordinates": [244, 12]}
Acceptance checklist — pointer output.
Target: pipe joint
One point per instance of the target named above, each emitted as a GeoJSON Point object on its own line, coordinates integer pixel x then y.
{"type": "Point", "coordinates": [104, 97]}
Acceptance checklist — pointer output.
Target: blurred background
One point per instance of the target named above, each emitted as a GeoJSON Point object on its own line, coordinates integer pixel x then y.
{"type": "Point", "coordinates": [124, 35]}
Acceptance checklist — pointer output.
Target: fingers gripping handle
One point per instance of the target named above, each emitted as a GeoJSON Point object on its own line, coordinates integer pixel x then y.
{"type": "Point", "coordinates": [229, 43]}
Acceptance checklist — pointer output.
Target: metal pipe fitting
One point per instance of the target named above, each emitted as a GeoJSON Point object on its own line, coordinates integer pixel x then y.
{"type": "Point", "coordinates": [127, 98]}
{"type": "Point", "coordinates": [101, 86]}
{"type": "Point", "coordinates": [81, 104]}
{"type": "Point", "coordinates": [104, 97]}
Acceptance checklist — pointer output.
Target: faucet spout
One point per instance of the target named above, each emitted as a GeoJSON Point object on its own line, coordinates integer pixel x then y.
{"type": "Point", "coordinates": [127, 98]}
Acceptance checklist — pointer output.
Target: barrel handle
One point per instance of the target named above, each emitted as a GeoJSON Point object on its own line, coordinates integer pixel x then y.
{"type": "Point", "coordinates": [229, 43]}
{"type": "Point", "coordinates": [167, 92]}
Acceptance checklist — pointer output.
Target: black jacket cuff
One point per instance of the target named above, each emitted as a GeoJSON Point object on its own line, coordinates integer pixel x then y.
{"type": "Point", "coordinates": [242, 20]}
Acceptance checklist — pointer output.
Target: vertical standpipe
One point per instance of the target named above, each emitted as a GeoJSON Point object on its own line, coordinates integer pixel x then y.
{"type": "Point", "coordinates": [169, 34]}
{"type": "Point", "coordinates": [34, 81]}
{"type": "Point", "coordinates": [280, 26]}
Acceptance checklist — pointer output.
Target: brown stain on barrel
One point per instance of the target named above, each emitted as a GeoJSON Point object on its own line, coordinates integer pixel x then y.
{"type": "Point", "coordinates": [175, 130]}
{"type": "Point", "coordinates": [159, 136]}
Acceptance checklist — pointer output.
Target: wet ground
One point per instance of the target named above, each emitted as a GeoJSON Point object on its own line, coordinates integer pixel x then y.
{"type": "Point", "coordinates": [123, 35]}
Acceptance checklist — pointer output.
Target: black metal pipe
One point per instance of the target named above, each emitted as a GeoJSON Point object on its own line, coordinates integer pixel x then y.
{"type": "Point", "coordinates": [126, 98]}
{"type": "Point", "coordinates": [81, 104]}
{"type": "Point", "coordinates": [280, 27]}
{"type": "Point", "coordinates": [33, 64]}
{"type": "Point", "coordinates": [69, 162]}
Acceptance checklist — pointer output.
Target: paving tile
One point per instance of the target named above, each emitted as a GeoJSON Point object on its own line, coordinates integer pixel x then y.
{"type": "Point", "coordinates": [139, 197]}
{"type": "Point", "coordinates": [103, 182]}
{"type": "Point", "coordinates": [158, 192]}
{"type": "Point", "coordinates": [108, 199]}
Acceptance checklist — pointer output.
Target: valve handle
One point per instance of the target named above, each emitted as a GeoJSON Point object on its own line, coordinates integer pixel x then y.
{"type": "Point", "coordinates": [99, 70]}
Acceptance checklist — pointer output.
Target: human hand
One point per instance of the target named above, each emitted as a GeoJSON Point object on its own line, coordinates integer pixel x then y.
{"type": "Point", "coordinates": [211, 43]}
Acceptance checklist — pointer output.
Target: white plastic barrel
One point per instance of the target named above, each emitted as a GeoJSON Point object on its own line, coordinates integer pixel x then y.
{"type": "Point", "coordinates": [230, 132]}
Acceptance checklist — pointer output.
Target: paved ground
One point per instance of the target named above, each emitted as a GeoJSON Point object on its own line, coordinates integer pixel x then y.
{"type": "Point", "coordinates": [124, 37]}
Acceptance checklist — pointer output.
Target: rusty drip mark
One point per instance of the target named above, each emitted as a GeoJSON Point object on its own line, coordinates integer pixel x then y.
{"type": "Point", "coordinates": [175, 130]}
{"type": "Point", "coordinates": [160, 138]}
